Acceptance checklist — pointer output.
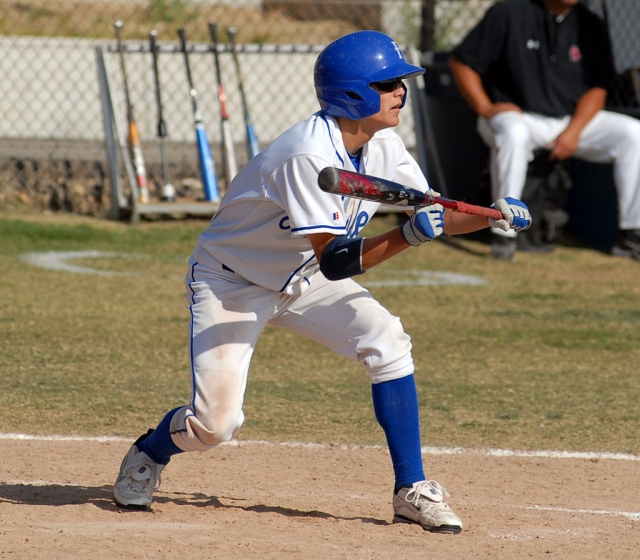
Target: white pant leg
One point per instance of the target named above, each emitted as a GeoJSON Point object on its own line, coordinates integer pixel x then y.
{"type": "Point", "coordinates": [512, 137]}
{"type": "Point", "coordinates": [228, 314]}
{"type": "Point", "coordinates": [612, 137]}
{"type": "Point", "coordinates": [509, 139]}
{"type": "Point", "coordinates": [346, 318]}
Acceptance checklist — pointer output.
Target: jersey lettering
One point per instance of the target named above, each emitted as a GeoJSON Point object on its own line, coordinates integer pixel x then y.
{"type": "Point", "coordinates": [361, 220]}
{"type": "Point", "coordinates": [284, 223]}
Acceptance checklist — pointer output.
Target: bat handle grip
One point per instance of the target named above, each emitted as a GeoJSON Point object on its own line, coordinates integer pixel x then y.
{"type": "Point", "coordinates": [465, 208]}
{"type": "Point", "coordinates": [489, 213]}
{"type": "Point", "coordinates": [213, 32]}
{"type": "Point", "coordinates": [183, 39]}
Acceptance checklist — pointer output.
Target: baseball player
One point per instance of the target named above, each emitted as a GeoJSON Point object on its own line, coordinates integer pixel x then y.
{"type": "Point", "coordinates": [280, 251]}
{"type": "Point", "coordinates": [546, 65]}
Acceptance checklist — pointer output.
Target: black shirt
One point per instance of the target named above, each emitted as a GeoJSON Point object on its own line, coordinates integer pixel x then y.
{"type": "Point", "coordinates": [540, 62]}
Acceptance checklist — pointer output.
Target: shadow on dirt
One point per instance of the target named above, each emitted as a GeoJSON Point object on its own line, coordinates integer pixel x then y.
{"type": "Point", "coordinates": [102, 497]}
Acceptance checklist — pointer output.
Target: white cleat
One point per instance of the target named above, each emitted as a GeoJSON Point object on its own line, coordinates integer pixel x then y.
{"type": "Point", "coordinates": [424, 505]}
{"type": "Point", "coordinates": [139, 477]}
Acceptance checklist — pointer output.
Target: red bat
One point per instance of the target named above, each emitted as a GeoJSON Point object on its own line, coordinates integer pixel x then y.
{"type": "Point", "coordinates": [228, 150]}
{"type": "Point", "coordinates": [134, 134]}
{"type": "Point", "coordinates": [367, 187]}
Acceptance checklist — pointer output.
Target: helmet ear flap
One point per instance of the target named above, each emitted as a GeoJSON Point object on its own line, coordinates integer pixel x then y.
{"type": "Point", "coordinates": [348, 102]}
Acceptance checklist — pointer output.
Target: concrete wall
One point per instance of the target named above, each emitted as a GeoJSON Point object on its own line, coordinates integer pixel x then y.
{"type": "Point", "coordinates": [50, 92]}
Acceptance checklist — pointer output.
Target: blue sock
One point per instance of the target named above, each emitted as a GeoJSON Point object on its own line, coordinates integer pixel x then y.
{"type": "Point", "coordinates": [395, 403]}
{"type": "Point", "coordinates": [159, 445]}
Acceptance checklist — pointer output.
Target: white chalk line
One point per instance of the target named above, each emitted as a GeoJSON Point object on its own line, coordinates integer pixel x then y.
{"type": "Point", "coordinates": [427, 278]}
{"type": "Point", "coordinates": [426, 450]}
{"type": "Point", "coordinates": [634, 516]}
{"type": "Point", "coordinates": [60, 261]}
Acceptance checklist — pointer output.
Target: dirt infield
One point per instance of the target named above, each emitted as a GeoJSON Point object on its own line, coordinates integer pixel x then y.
{"type": "Point", "coordinates": [274, 501]}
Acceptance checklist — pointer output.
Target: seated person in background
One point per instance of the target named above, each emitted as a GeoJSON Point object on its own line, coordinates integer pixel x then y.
{"type": "Point", "coordinates": [536, 72]}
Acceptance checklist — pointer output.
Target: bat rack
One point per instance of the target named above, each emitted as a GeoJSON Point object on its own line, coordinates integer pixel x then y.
{"type": "Point", "coordinates": [115, 140]}
{"type": "Point", "coordinates": [121, 205]}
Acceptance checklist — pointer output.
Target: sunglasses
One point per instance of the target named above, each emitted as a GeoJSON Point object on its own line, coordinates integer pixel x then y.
{"type": "Point", "coordinates": [388, 86]}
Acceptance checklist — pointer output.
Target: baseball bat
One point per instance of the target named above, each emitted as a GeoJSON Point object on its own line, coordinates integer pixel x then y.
{"type": "Point", "coordinates": [228, 151]}
{"type": "Point", "coordinates": [253, 147]}
{"type": "Point", "coordinates": [367, 187]}
{"type": "Point", "coordinates": [134, 135]}
{"type": "Point", "coordinates": [168, 190]}
{"type": "Point", "coordinates": [207, 167]}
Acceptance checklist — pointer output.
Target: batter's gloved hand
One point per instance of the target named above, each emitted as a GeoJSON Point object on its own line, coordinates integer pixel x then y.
{"type": "Point", "coordinates": [515, 214]}
{"type": "Point", "coordinates": [425, 224]}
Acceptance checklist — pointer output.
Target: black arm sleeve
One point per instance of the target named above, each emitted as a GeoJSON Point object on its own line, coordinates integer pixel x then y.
{"type": "Point", "coordinates": [342, 258]}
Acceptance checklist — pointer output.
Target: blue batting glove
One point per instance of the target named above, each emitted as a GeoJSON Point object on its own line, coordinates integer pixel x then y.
{"type": "Point", "coordinates": [516, 215]}
{"type": "Point", "coordinates": [425, 225]}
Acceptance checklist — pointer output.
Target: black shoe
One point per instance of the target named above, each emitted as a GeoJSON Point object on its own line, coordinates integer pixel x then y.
{"type": "Point", "coordinates": [503, 247]}
{"type": "Point", "coordinates": [627, 244]}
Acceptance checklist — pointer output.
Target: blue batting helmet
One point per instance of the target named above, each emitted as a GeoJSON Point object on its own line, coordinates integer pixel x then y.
{"type": "Point", "coordinates": [346, 68]}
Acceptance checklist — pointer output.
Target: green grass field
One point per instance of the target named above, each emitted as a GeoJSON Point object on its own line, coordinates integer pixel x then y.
{"type": "Point", "coordinates": [543, 356]}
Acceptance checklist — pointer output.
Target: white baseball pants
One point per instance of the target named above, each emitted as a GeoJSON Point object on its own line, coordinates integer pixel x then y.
{"type": "Point", "coordinates": [228, 314]}
{"type": "Point", "coordinates": [608, 137]}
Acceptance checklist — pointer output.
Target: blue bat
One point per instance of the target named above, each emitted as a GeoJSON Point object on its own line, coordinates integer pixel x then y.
{"type": "Point", "coordinates": [252, 140]}
{"type": "Point", "coordinates": [207, 166]}
{"type": "Point", "coordinates": [253, 148]}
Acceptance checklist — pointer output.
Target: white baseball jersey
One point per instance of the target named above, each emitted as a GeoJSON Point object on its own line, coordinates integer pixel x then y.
{"type": "Point", "coordinates": [274, 202]}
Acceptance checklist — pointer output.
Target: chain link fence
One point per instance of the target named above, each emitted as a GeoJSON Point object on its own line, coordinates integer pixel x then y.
{"type": "Point", "coordinates": [52, 130]}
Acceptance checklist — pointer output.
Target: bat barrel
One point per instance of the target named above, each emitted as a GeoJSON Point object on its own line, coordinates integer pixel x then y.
{"type": "Point", "coordinates": [366, 187]}
{"type": "Point", "coordinates": [329, 180]}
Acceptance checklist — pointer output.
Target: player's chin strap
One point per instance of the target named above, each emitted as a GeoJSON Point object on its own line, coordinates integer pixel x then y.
{"type": "Point", "coordinates": [342, 258]}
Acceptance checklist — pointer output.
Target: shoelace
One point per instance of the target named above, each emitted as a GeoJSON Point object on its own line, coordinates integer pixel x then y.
{"type": "Point", "coordinates": [154, 477]}
{"type": "Point", "coordinates": [421, 489]}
